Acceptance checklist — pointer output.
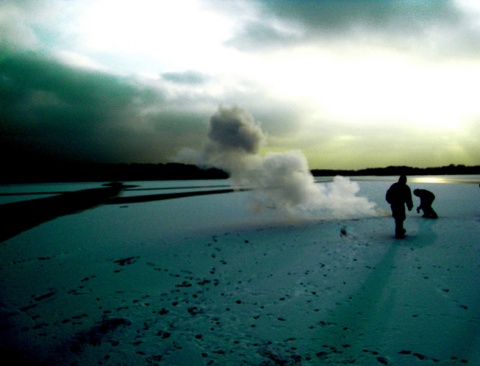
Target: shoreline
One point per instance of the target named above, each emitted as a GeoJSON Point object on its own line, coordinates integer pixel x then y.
{"type": "Point", "coordinates": [48, 172]}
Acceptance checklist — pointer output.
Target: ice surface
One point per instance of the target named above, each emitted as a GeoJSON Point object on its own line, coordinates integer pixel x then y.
{"type": "Point", "coordinates": [203, 280]}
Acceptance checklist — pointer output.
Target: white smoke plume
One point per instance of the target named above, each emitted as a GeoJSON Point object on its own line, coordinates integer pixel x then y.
{"type": "Point", "coordinates": [280, 180]}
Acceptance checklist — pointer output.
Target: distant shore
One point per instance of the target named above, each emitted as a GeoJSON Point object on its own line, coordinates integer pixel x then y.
{"type": "Point", "coordinates": [397, 170]}
{"type": "Point", "coordinates": [84, 172]}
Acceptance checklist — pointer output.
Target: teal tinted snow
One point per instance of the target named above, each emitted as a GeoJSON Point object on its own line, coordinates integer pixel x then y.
{"type": "Point", "coordinates": [203, 280]}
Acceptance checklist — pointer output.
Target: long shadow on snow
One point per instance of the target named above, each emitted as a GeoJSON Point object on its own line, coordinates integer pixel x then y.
{"type": "Point", "coordinates": [354, 318]}
{"type": "Point", "coordinates": [21, 216]}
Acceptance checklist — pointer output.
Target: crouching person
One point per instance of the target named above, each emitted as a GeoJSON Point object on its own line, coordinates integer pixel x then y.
{"type": "Point", "coordinates": [426, 200]}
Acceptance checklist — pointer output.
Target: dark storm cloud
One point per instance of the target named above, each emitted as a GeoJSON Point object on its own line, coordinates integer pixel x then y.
{"type": "Point", "coordinates": [187, 77]}
{"type": "Point", "coordinates": [260, 35]}
{"type": "Point", "coordinates": [397, 23]}
{"type": "Point", "coordinates": [339, 16]}
{"type": "Point", "coordinates": [52, 111]}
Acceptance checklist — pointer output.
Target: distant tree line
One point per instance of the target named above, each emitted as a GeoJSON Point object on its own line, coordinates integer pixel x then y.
{"type": "Point", "coordinates": [43, 172]}
{"type": "Point", "coordinates": [85, 172]}
{"type": "Point", "coordinates": [398, 170]}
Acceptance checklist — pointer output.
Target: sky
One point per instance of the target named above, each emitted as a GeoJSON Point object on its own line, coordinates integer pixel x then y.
{"type": "Point", "coordinates": [347, 84]}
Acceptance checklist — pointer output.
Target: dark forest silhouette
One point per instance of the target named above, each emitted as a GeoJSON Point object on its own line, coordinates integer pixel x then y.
{"type": "Point", "coordinates": [40, 172]}
{"type": "Point", "coordinates": [399, 170]}
{"type": "Point", "coordinates": [96, 172]}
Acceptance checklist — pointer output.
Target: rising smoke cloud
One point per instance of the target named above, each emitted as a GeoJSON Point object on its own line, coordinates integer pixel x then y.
{"type": "Point", "coordinates": [280, 180]}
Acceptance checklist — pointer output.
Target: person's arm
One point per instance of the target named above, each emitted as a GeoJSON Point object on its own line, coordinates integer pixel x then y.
{"type": "Point", "coordinates": [409, 201]}
{"type": "Point", "coordinates": [420, 207]}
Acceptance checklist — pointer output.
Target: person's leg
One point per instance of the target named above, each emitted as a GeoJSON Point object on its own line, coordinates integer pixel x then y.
{"type": "Point", "coordinates": [431, 214]}
{"type": "Point", "coordinates": [398, 213]}
{"type": "Point", "coordinates": [399, 230]}
{"type": "Point", "coordinates": [425, 211]}
{"type": "Point", "coordinates": [420, 208]}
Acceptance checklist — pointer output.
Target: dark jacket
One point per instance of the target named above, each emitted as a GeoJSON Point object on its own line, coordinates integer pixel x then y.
{"type": "Point", "coordinates": [425, 196]}
{"type": "Point", "coordinates": [398, 195]}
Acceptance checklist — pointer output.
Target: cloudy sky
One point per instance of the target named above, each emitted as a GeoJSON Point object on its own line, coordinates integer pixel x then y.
{"type": "Point", "coordinates": [351, 84]}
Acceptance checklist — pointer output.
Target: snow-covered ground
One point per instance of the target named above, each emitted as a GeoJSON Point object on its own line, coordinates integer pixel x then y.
{"type": "Point", "coordinates": [204, 280]}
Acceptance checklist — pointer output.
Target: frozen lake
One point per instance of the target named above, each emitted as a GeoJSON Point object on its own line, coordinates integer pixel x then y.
{"type": "Point", "coordinates": [205, 280]}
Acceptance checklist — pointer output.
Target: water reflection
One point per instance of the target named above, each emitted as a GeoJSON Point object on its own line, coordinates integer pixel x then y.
{"type": "Point", "coordinates": [435, 179]}
{"type": "Point", "coordinates": [446, 179]}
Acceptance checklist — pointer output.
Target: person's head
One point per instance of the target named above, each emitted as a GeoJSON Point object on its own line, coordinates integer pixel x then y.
{"type": "Point", "coordinates": [416, 192]}
{"type": "Point", "coordinates": [402, 179]}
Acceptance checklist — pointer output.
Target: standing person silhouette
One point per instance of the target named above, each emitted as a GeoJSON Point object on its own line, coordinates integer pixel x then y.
{"type": "Point", "coordinates": [399, 195]}
{"type": "Point", "coordinates": [426, 200]}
